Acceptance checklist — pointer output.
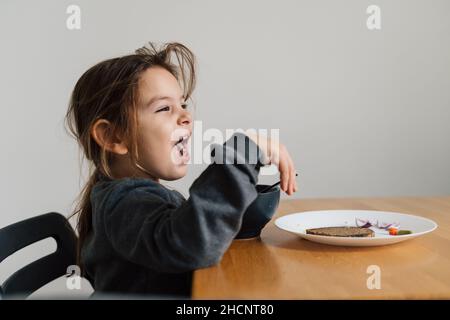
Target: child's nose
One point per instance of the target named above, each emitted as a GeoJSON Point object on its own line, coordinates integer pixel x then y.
{"type": "Point", "coordinates": [185, 118]}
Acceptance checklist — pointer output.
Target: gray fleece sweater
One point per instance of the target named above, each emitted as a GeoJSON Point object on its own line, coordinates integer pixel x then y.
{"type": "Point", "coordinates": [147, 239]}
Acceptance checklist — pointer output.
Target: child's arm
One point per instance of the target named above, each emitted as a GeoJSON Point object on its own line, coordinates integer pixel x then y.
{"type": "Point", "coordinates": [146, 228]}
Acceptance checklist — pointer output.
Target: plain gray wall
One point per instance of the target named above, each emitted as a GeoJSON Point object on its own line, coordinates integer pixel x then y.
{"type": "Point", "coordinates": [363, 113]}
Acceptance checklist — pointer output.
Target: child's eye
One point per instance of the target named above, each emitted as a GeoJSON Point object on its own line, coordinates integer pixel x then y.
{"type": "Point", "coordinates": [166, 108]}
{"type": "Point", "coordinates": [185, 105]}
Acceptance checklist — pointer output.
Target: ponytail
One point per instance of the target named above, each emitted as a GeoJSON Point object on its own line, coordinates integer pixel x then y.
{"type": "Point", "coordinates": [84, 212]}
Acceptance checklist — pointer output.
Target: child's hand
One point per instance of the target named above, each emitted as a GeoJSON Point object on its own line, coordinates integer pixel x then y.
{"type": "Point", "coordinates": [277, 154]}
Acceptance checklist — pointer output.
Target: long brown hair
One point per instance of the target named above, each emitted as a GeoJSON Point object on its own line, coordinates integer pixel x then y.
{"type": "Point", "coordinates": [109, 90]}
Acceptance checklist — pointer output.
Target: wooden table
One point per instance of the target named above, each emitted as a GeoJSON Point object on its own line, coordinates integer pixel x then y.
{"type": "Point", "coordinates": [281, 265]}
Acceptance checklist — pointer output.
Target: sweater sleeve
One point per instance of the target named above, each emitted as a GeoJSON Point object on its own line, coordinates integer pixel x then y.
{"type": "Point", "coordinates": [146, 229]}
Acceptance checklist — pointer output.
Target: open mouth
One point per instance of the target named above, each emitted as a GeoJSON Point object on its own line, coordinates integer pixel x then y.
{"type": "Point", "coordinates": [181, 146]}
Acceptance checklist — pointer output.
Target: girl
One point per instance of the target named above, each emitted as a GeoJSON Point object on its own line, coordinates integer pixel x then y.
{"type": "Point", "coordinates": [130, 116]}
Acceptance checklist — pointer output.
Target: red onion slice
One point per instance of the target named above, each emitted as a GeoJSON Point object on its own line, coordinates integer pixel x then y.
{"type": "Point", "coordinates": [380, 225]}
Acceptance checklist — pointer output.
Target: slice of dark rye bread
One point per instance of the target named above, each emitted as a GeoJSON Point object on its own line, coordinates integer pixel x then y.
{"type": "Point", "coordinates": [341, 232]}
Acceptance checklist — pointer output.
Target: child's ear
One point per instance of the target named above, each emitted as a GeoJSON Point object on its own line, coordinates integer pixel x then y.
{"type": "Point", "coordinates": [103, 134]}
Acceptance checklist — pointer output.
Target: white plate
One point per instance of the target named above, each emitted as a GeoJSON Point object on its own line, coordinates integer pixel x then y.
{"type": "Point", "coordinates": [298, 223]}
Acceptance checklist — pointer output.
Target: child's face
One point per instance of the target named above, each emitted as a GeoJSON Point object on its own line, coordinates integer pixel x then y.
{"type": "Point", "coordinates": [161, 124]}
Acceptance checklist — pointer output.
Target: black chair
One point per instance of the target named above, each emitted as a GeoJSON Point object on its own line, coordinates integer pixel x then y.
{"type": "Point", "coordinates": [46, 269]}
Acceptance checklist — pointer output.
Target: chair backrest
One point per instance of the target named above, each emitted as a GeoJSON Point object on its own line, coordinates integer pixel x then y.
{"type": "Point", "coordinates": [14, 237]}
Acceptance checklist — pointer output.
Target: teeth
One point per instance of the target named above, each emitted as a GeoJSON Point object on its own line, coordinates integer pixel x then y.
{"type": "Point", "coordinates": [180, 148]}
{"type": "Point", "coordinates": [180, 139]}
{"type": "Point", "coordinates": [183, 140]}
{"type": "Point", "coordinates": [181, 144]}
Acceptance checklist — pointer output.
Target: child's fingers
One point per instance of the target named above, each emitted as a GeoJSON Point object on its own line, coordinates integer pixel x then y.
{"type": "Point", "coordinates": [293, 173]}
{"type": "Point", "coordinates": [289, 185]}
{"type": "Point", "coordinates": [290, 170]}
{"type": "Point", "coordinates": [292, 178]}
{"type": "Point", "coordinates": [284, 173]}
